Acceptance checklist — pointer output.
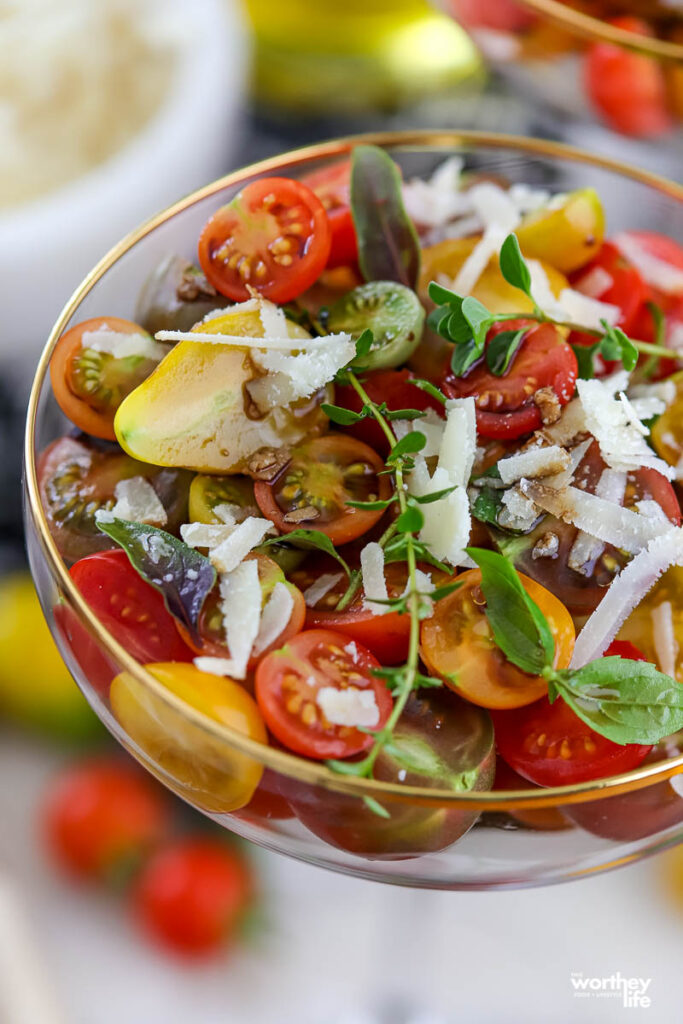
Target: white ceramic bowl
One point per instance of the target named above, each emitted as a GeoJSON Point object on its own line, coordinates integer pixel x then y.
{"type": "Point", "coordinates": [47, 245]}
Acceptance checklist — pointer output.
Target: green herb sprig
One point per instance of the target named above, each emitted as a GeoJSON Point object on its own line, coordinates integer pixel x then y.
{"type": "Point", "coordinates": [465, 322]}
{"type": "Point", "coordinates": [625, 701]}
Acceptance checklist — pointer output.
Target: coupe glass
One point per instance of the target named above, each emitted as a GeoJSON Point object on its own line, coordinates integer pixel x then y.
{"type": "Point", "coordinates": [509, 838]}
{"type": "Point", "coordinates": [539, 47]}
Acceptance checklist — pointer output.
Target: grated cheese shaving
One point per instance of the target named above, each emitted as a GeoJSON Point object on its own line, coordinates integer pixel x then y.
{"type": "Point", "coordinates": [436, 201]}
{"type": "Point", "coordinates": [240, 592]}
{"type": "Point", "coordinates": [138, 502]}
{"type": "Point", "coordinates": [586, 549]}
{"type": "Point", "coordinates": [595, 283]}
{"type": "Point", "coordinates": [120, 345]}
{"type": "Point", "coordinates": [290, 377]}
{"type": "Point", "coordinates": [478, 260]}
{"type": "Point", "coordinates": [625, 592]}
{"type": "Point", "coordinates": [431, 426]}
{"type": "Point", "coordinates": [664, 276]}
{"type": "Point", "coordinates": [227, 555]}
{"type": "Point", "coordinates": [374, 582]}
{"type": "Point", "coordinates": [274, 617]}
{"type": "Point", "coordinates": [205, 535]}
{"type": "Point", "coordinates": [273, 319]}
{"type": "Point", "coordinates": [321, 587]}
{"type": "Point", "coordinates": [533, 462]}
{"type": "Point", "coordinates": [518, 511]}
{"type": "Point", "coordinates": [664, 637]}
{"type": "Point", "coordinates": [350, 707]}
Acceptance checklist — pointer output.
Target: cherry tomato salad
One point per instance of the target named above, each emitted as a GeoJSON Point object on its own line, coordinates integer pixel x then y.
{"type": "Point", "coordinates": [403, 498]}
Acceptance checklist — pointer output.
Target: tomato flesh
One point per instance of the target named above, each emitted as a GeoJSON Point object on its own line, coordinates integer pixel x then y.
{"type": "Point", "coordinates": [274, 236]}
{"type": "Point", "coordinates": [549, 745]}
{"type": "Point", "coordinates": [313, 489]}
{"type": "Point", "coordinates": [132, 610]}
{"type": "Point", "coordinates": [332, 185]}
{"type": "Point", "coordinates": [393, 387]}
{"type": "Point", "coordinates": [457, 645]}
{"type": "Point", "coordinates": [289, 681]}
{"type": "Point", "coordinates": [505, 405]}
{"type": "Point", "coordinates": [627, 290]}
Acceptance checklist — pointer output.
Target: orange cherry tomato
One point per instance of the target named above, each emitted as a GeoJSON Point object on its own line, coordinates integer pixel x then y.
{"type": "Point", "coordinates": [274, 236]}
{"type": "Point", "coordinates": [457, 645]}
{"type": "Point", "coordinates": [88, 385]}
{"type": "Point", "coordinates": [313, 490]}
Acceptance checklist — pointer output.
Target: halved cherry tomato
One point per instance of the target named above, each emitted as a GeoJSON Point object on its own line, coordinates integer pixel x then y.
{"type": "Point", "coordinates": [457, 645]}
{"type": "Point", "coordinates": [268, 801]}
{"type": "Point", "coordinates": [132, 610]}
{"type": "Point", "coordinates": [274, 236]}
{"type": "Point", "coordinates": [392, 387]}
{"type": "Point", "coordinates": [628, 89]}
{"type": "Point", "coordinates": [387, 636]}
{"type": "Point", "coordinates": [582, 591]}
{"type": "Point", "coordinates": [332, 185]}
{"type": "Point", "coordinates": [289, 681]}
{"type": "Point", "coordinates": [211, 639]}
{"type": "Point", "coordinates": [541, 819]}
{"type": "Point", "coordinates": [505, 405]}
{"type": "Point", "coordinates": [77, 477]}
{"type": "Point", "coordinates": [312, 491]}
{"type": "Point", "coordinates": [102, 816]}
{"type": "Point", "coordinates": [191, 895]}
{"type": "Point", "coordinates": [627, 289]}
{"type": "Point", "coordinates": [550, 745]}
{"type": "Point", "coordinates": [90, 385]}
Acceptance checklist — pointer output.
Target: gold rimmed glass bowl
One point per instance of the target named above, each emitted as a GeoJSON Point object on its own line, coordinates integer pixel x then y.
{"type": "Point", "coordinates": [541, 47]}
{"type": "Point", "coordinates": [433, 838]}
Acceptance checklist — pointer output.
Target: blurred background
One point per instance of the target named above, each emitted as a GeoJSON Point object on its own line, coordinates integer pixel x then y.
{"type": "Point", "coordinates": [109, 110]}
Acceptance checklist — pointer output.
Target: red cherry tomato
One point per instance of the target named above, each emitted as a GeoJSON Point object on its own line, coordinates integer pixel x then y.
{"type": "Point", "coordinates": [332, 185]}
{"type": "Point", "coordinates": [274, 236]}
{"type": "Point", "coordinates": [392, 387]}
{"type": "Point", "coordinates": [628, 89]}
{"type": "Point", "coordinates": [191, 895]}
{"type": "Point", "coordinates": [132, 610]}
{"type": "Point", "coordinates": [627, 290]}
{"type": "Point", "coordinates": [505, 405]}
{"type": "Point", "coordinates": [289, 681]}
{"type": "Point", "coordinates": [666, 250]}
{"type": "Point", "coordinates": [314, 488]}
{"type": "Point", "coordinates": [549, 745]}
{"type": "Point", "coordinates": [101, 817]}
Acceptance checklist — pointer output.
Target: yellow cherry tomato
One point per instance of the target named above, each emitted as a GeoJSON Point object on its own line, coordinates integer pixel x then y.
{"type": "Point", "coordinates": [36, 689]}
{"type": "Point", "coordinates": [198, 766]}
{"type": "Point", "coordinates": [210, 492]}
{"type": "Point", "coordinates": [196, 411]}
{"type": "Point", "coordinates": [457, 645]}
{"type": "Point", "coordinates": [567, 234]}
{"type": "Point", "coordinates": [667, 430]}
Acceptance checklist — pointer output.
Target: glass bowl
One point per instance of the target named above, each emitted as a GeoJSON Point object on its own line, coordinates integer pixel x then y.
{"type": "Point", "coordinates": [509, 837]}
{"type": "Point", "coordinates": [540, 48]}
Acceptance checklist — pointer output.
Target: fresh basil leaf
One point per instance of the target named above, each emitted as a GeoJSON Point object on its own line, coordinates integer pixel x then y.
{"type": "Point", "coordinates": [427, 499]}
{"type": "Point", "coordinates": [464, 356]}
{"type": "Point", "coordinates": [487, 505]}
{"type": "Point", "coordinates": [410, 521]}
{"type": "Point", "coordinates": [625, 701]}
{"type": "Point", "coordinates": [309, 539]}
{"type": "Point", "coordinates": [344, 417]}
{"type": "Point", "coordinates": [501, 350]}
{"type": "Point", "coordinates": [478, 317]}
{"type": "Point", "coordinates": [182, 575]}
{"type": "Point", "coordinates": [412, 442]}
{"type": "Point", "coordinates": [518, 624]}
{"type": "Point", "coordinates": [429, 389]}
{"type": "Point", "coordinates": [513, 265]}
{"type": "Point", "coordinates": [388, 246]}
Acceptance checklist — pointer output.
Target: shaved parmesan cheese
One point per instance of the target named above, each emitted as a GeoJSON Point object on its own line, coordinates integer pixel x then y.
{"type": "Point", "coordinates": [576, 456]}
{"type": "Point", "coordinates": [120, 345]}
{"type": "Point", "coordinates": [664, 391]}
{"type": "Point", "coordinates": [664, 637]}
{"type": "Point", "coordinates": [423, 583]}
{"type": "Point", "coordinates": [571, 422]}
{"type": "Point", "coordinates": [322, 586]}
{"type": "Point", "coordinates": [528, 199]}
{"type": "Point", "coordinates": [279, 344]}
{"type": "Point", "coordinates": [374, 582]}
{"type": "Point", "coordinates": [595, 283]}
{"type": "Point", "coordinates": [351, 707]}
{"type": "Point", "coordinates": [533, 462]}
{"type": "Point", "coordinates": [227, 555]}
{"type": "Point", "coordinates": [586, 312]}
{"type": "Point", "coordinates": [542, 292]}
{"type": "Point", "coordinates": [227, 513]}
{"type": "Point", "coordinates": [601, 519]}
{"type": "Point", "coordinates": [273, 319]}
{"type": "Point", "coordinates": [459, 440]}
{"type": "Point", "coordinates": [431, 426]}
{"type": "Point", "coordinates": [586, 549]}
{"type": "Point", "coordinates": [205, 535]}
{"type": "Point", "coordinates": [138, 502]}
{"type": "Point", "coordinates": [625, 592]}
{"type": "Point", "coordinates": [653, 510]}
{"type": "Point", "coordinates": [494, 206]}
{"type": "Point", "coordinates": [646, 408]}
{"type": "Point", "coordinates": [240, 592]}
{"type": "Point", "coordinates": [215, 666]}
{"type": "Point", "coordinates": [664, 276]}
{"type": "Point", "coordinates": [439, 200]}
{"type": "Point", "coordinates": [274, 617]}
{"type": "Point", "coordinates": [478, 260]}
{"type": "Point", "coordinates": [290, 377]}
{"type": "Point", "coordinates": [613, 423]}
{"type": "Point", "coordinates": [249, 306]}
{"type": "Point", "coordinates": [518, 512]}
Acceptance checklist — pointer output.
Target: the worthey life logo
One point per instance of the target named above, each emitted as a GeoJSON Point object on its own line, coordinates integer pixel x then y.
{"type": "Point", "coordinates": [634, 992]}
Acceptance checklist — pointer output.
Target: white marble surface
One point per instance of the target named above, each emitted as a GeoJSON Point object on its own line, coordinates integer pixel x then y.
{"type": "Point", "coordinates": [341, 951]}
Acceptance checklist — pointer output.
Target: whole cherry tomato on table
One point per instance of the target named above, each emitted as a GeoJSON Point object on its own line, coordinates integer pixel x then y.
{"type": "Point", "coordinates": [191, 895]}
{"type": "Point", "coordinates": [102, 817]}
